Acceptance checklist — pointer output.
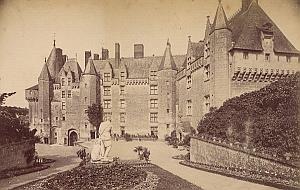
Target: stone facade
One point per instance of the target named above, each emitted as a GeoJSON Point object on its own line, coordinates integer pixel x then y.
{"type": "Point", "coordinates": [237, 55]}
{"type": "Point", "coordinates": [157, 94]}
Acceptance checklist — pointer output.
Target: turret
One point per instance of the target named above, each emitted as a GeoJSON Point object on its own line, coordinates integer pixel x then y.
{"type": "Point", "coordinates": [55, 62]}
{"type": "Point", "coordinates": [166, 93]}
{"type": "Point", "coordinates": [44, 101]}
{"type": "Point", "coordinates": [220, 40]}
{"type": "Point", "coordinates": [89, 94]}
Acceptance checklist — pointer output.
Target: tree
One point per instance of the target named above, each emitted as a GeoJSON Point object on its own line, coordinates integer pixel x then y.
{"type": "Point", "coordinates": [13, 127]}
{"type": "Point", "coordinates": [95, 115]}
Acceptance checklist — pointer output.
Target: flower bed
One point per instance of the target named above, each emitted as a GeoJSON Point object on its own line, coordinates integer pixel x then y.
{"type": "Point", "coordinates": [92, 176]}
{"type": "Point", "coordinates": [288, 181]}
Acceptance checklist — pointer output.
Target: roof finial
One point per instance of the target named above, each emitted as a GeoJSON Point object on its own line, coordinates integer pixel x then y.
{"type": "Point", "coordinates": [54, 39]}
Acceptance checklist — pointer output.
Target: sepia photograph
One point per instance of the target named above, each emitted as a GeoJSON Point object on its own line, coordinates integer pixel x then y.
{"type": "Point", "coordinates": [149, 94]}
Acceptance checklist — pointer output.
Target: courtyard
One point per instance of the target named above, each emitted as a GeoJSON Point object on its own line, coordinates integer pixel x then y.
{"type": "Point", "coordinates": [161, 155]}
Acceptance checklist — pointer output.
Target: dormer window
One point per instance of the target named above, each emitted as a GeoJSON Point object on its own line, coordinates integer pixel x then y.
{"type": "Point", "coordinates": [69, 81]}
{"type": "Point", "coordinates": [288, 59]}
{"type": "Point", "coordinates": [122, 76]}
{"type": "Point", "coordinates": [245, 55]}
{"type": "Point", "coordinates": [106, 77]}
{"type": "Point", "coordinates": [63, 82]}
{"type": "Point", "coordinates": [267, 57]}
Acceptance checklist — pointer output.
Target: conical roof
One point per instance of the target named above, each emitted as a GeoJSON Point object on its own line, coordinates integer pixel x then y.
{"type": "Point", "coordinates": [90, 68]}
{"type": "Point", "coordinates": [55, 61]}
{"type": "Point", "coordinates": [167, 61]}
{"type": "Point", "coordinates": [45, 74]}
{"type": "Point", "coordinates": [220, 21]}
{"type": "Point", "coordinates": [208, 28]}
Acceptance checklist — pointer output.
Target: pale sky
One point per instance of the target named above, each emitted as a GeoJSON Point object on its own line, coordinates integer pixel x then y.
{"type": "Point", "coordinates": [27, 27]}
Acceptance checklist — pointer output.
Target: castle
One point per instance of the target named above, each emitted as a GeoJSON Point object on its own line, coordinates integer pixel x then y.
{"type": "Point", "coordinates": [157, 94]}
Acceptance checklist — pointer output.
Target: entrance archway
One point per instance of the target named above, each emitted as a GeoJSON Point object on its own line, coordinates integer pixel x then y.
{"type": "Point", "coordinates": [73, 137]}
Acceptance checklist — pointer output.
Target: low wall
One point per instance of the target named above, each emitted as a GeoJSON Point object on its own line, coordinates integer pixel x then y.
{"type": "Point", "coordinates": [13, 155]}
{"type": "Point", "coordinates": [216, 154]}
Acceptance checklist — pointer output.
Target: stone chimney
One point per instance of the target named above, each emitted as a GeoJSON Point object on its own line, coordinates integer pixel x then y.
{"type": "Point", "coordinates": [96, 56]}
{"type": "Point", "coordinates": [138, 51]}
{"type": "Point", "coordinates": [87, 55]}
{"type": "Point", "coordinates": [117, 55]}
{"type": "Point", "coordinates": [105, 54]}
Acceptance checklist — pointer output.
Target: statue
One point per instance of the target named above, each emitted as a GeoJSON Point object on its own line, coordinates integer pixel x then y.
{"type": "Point", "coordinates": [102, 145]}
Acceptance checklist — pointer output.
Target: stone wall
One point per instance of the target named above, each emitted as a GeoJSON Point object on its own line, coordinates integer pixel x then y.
{"type": "Point", "coordinates": [219, 154]}
{"type": "Point", "coordinates": [13, 155]}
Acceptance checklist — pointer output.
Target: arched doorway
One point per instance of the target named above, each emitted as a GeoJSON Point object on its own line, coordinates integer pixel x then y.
{"type": "Point", "coordinates": [73, 137]}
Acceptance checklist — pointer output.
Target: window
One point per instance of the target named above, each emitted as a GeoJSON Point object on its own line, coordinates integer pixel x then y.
{"type": "Point", "coordinates": [85, 125]}
{"type": "Point", "coordinates": [189, 81]}
{"type": "Point", "coordinates": [245, 55]}
{"type": "Point", "coordinates": [256, 56]}
{"type": "Point", "coordinates": [167, 83]}
{"type": "Point", "coordinates": [107, 116]}
{"type": "Point", "coordinates": [63, 94]}
{"type": "Point", "coordinates": [122, 117]}
{"type": "Point", "coordinates": [189, 107]}
{"type": "Point", "coordinates": [107, 104]}
{"type": "Point", "coordinates": [64, 118]}
{"type": "Point", "coordinates": [69, 93]}
{"type": "Point", "coordinates": [122, 90]}
{"type": "Point", "coordinates": [69, 81]}
{"type": "Point", "coordinates": [122, 76]}
{"type": "Point", "coordinates": [267, 57]}
{"type": "Point", "coordinates": [153, 90]}
{"type": "Point", "coordinates": [85, 99]}
{"type": "Point", "coordinates": [85, 111]}
{"type": "Point", "coordinates": [168, 110]}
{"type": "Point", "coordinates": [62, 81]}
{"type": "Point", "coordinates": [85, 85]}
{"type": "Point", "coordinates": [153, 117]}
{"type": "Point", "coordinates": [168, 126]}
{"type": "Point", "coordinates": [153, 103]}
{"type": "Point", "coordinates": [206, 103]}
{"type": "Point", "coordinates": [106, 91]}
{"type": "Point", "coordinates": [278, 58]}
{"type": "Point", "coordinates": [56, 118]}
{"type": "Point", "coordinates": [206, 72]}
{"type": "Point", "coordinates": [288, 59]}
{"type": "Point", "coordinates": [106, 77]}
{"type": "Point", "coordinates": [63, 105]}
{"type": "Point", "coordinates": [122, 103]}
{"type": "Point", "coordinates": [153, 74]}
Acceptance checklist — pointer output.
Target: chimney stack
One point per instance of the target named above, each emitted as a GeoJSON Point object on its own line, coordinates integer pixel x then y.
{"type": "Point", "coordinates": [87, 55]}
{"type": "Point", "coordinates": [138, 51]}
{"type": "Point", "coordinates": [117, 55]}
{"type": "Point", "coordinates": [96, 56]}
{"type": "Point", "coordinates": [105, 54]}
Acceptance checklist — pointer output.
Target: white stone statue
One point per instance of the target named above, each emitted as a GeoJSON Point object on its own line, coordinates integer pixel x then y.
{"type": "Point", "coordinates": [102, 145]}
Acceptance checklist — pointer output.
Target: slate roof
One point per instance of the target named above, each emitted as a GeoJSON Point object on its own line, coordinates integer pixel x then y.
{"type": "Point", "coordinates": [138, 68]}
{"type": "Point", "coordinates": [45, 74]}
{"type": "Point", "coordinates": [220, 20]}
{"type": "Point", "coordinates": [72, 65]}
{"type": "Point", "coordinates": [167, 61]}
{"type": "Point", "coordinates": [90, 68]}
{"type": "Point", "coordinates": [35, 87]}
{"type": "Point", "coordinates": [246, 30]}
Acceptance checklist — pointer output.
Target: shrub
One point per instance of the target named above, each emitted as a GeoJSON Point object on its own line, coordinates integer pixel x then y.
{"type": "Point", "coordinates": [265, 119]}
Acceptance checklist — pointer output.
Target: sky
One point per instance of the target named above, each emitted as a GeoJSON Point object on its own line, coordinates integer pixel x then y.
{"type": "Point", "coordinates": [27, 30]}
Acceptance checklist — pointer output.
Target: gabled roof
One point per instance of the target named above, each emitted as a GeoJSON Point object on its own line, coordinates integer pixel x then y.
{"type": "Point", "coordinates": [73, 66]}
{"type": "Point", "coordinates": [167, 61]}
{"type": "Point", "coordinates": [35, 87]}
{"type": "Point", "coordinates": [90, 68]}
{"type": "Point", "coordinates": [45, 74]}
{"type": "Point", "coordinates": [246, 30]}
{"type": "Point", "coordinates": [220, 21]}
{"type": "Point", "coordinates": [138, 68]}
